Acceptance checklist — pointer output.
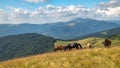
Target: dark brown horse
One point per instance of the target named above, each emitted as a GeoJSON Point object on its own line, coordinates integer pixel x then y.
{"type": "Point", "coordinates": [107, 43]}
{"type": "Point", "coordinates": [59, 48]}
{"type": "Point", "coordinates": [71, 46]}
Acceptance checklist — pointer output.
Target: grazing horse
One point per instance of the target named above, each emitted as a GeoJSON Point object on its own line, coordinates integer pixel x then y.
{"type": "Point", "coordinates": [107, 43]}
{"type": "Point", "coordinates": [59, 48]}
{"type": "Point", "coordinates": [71, 46]}
{"type": "Point", "coordinates": [89, 45]}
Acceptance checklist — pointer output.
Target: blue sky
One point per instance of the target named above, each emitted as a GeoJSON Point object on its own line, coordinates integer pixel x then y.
{"type": "Point", "coordinates": [49, 11]}
{"type": "Point", "coordinates": [87, 3]}
{"type": "Point", "coordinates": [28, 5]}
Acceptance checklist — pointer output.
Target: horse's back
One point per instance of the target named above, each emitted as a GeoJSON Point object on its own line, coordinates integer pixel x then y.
{"type": "Point", "coordinates": [107, 42]}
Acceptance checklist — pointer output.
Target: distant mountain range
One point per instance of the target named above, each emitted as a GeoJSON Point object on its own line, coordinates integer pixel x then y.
{"type": "Point", "coordinates": [15, 46]}
{"type": "Point", "coordinates": [60, 30]}
{"type": "Point", "coordinates": [102, 34]}
{"type": "Point", "coordinates": [115, 21]}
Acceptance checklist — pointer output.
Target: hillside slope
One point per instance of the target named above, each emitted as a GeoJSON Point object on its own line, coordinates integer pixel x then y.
{"type": "Point", "coordinates": [116, 36]}
{"type": "Point", "coordinates": [15, 46]}
{"type": "Point", "coordinates": [101, 34]}
{"type": "Point", "coordinates": [87, 58]}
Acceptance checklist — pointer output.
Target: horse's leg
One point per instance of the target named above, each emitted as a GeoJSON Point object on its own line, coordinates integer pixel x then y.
{"type": "Point", "coordinates": [106, 46]}
{"type": "Point", "coordinates": [77, 47]}
{"type": "Point", "coordinates": [61, 49]}
{"type": "Point", "coordinates": [70, 48]}
{"type": "Point", "coordinates": [65, 49]}
{"type": "Point", "coordinates": [55, 49]}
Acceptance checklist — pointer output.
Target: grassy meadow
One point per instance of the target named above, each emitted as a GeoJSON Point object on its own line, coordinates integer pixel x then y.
{"type": "Point", "coordinates": [96, 57]}
{"type": "Point", "coordinates": [86, 58]}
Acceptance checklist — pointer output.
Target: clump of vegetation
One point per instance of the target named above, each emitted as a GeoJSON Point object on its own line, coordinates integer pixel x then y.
{"type": "Point", "coordinates": [115, 37]}
{"type": "Point", "coordinates": [86, 58]}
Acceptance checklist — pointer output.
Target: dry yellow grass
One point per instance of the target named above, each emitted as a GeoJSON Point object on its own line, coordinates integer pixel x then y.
{"type": "Point", "coordinates": [87, 58]}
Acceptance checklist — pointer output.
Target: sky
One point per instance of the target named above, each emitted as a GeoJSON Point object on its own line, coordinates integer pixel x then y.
{"type": "Point", "coordinates": [50, 11]}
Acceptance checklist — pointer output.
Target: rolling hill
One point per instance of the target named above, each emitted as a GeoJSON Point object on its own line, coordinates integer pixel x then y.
{"type": "Point", "coordinates": [101, 34]}
{"type": "Point", "coordinates": [96, 42]}
{"type": "Point", "coordinates": [98, 56]}
{"type": "Point", "coordinates": [115, 21]}
{"type": "Point", "coordinates": [22, 45]}
{"type": "Point", "coordinates": [116, 37]}
{"type": "Point", "coordinates": [60, 30]}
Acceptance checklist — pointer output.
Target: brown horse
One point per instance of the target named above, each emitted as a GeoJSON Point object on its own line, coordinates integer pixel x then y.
{"type": "Point", "coordinates": [59, 48]}
{"type": "Point", "coordinates": [107, 43]}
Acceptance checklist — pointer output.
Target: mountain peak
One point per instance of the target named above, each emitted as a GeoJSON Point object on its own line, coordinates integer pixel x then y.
{"type": "Point", "coordinates": [81, 20]}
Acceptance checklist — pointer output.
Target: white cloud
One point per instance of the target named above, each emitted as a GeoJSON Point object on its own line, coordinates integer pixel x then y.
{"type": "Point", "coordinates": [111, 3]}
{"type": "Point", "coordinates": [36, 1]}
{"type": "Point", "coordinates": [109, 10]}
{"type": "Point", "coordinates": [113, 11]}
{"type": "Point", "coordinates": [50, 13]}
{"type": "Point", "coordinates": [3, 16]}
